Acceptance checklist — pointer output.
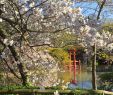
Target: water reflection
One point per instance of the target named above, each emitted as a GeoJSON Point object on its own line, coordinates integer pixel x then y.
{"type": "Point", "coordinates": [83, 78]}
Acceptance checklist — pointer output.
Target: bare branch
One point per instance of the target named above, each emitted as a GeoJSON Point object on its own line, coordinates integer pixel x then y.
{"type": "Point", "coordinates": [41, 45]}
{"type": "Point", "coordinates": [101, 7]}
{"type": "Point", "coordinates": [38, 31]}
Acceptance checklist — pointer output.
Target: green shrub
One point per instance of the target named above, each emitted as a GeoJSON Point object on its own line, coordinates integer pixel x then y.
{"type": "Point", "coordinates": [60, 54]}
{"type": "Point", "coordinates": [106, 81]}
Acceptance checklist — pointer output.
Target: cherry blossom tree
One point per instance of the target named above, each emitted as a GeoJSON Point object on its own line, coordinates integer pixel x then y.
{"type": "Point", "coordinates": [22, 21]}
{"type": "Point", "coordinates": [27, 24]}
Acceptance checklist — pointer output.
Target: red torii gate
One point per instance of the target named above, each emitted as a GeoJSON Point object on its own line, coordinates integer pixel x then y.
{"type": "Point", "coordinates": [73, 63]}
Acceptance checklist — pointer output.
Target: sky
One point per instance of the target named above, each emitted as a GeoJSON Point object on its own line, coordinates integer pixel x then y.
{"type": "Point", "coordinates": [90, 8]}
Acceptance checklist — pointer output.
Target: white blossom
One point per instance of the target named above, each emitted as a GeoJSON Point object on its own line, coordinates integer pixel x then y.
{"type": "Point", "coordinates": [11, 42]}
{"type": "Point", "coordinates": [80, 10]}
{"type": "Point", "coordinates": [81, 28]}
{"type": "Point", "coordinates": [32, 4]}
{"type": "Point", "coordinates": [16, 12]}
{"type": "Point", "coordinates": [5, 41]}
{"type": "Point", "coordinates": [56, 92]}
{"type": "Point", "coordinates": [54, 85]}
{"type": "Point", "coordinates": [2, 1]}
{"type": "Point", "coordinates": [110, 46]}
{"type": "Point", "coordinates": [97, 34]}
{"type": "Point", "coordinates": [64, 87]}
{"type": "Point", "coordinates": [11, 18]}
{"type": "Point", "coordinates": [25, 8]}
{"type": "Point", "coordinates": [25, 0]}
{"type": "Point", "coordinates": [67, 83]}
{"type": "Point", "coordinates": [100, 43]}
{"type": "Point", "coordinates": [1, 20]}
{"type": "Point", "coordinates": [62, 81]}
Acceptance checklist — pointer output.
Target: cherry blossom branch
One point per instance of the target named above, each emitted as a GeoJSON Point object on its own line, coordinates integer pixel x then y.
{"type": "Point", "coordinates": [35, 7]}
{"type": "Point", "coordinates": [11, 70]}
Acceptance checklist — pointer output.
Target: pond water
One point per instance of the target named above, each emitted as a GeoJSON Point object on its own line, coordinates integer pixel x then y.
{"type": "Point", "coordinates": [83, 78]}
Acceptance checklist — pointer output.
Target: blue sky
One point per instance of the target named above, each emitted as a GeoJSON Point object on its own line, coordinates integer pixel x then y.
{"type": "Point", "coordinates": [93, 8]}
{"type": "Point", "coordinates": [88, 8]}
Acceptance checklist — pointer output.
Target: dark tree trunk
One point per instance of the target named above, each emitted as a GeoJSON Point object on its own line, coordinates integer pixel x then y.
{"type": "Point", "coordinates": [100, 9]}
{"type": "Point", "coordinates": [20, 67]}
{"type": "Point", "coordinates": [23, 74]}
{"type": "Point", "coordinates": [94, 85]}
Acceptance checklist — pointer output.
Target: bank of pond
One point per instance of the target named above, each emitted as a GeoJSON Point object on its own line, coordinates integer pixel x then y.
{"type": "Point", "coordinates": [31, 91]}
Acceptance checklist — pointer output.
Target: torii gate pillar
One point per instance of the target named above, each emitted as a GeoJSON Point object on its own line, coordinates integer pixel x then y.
{"type": "Point", "coordinates": [73, 63]}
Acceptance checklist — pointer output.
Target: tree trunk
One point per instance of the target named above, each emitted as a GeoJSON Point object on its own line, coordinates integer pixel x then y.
{"type": "Point", "coordinates": [23, 74]}
{"type": "Point", "coordinates": [94, 85]}
{"type": "Point", "coordinates": [16, 58]}
{"type": "Point", "coordinates": [19, 65]}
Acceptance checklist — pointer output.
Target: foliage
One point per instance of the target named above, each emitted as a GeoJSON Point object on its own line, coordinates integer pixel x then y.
{"type": "Point", "coordinates": [60, 54]}
{"type": "Point", "coordinates": [60, 92]}
{"type": "Point", "coordinates": [108, 27]}
{"type": "Point", "coordinates": [106, 77]}
{"type": "Point", "coordinates": [102, 57]}
{"type": "Point", "coordinates": [64, 39]}
{"type": "Point", "coordinates": [13, 87]}
{"type": "Point", "coordinates": [1, 77]}
{"type": "Point", "coordinates": [79, 54]}
{"type": "Point", "coordinates": [106, 81]}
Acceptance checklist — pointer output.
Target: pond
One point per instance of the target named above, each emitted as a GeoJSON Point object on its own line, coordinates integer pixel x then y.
{"type": "Point", "coordinates": [83, 78]}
